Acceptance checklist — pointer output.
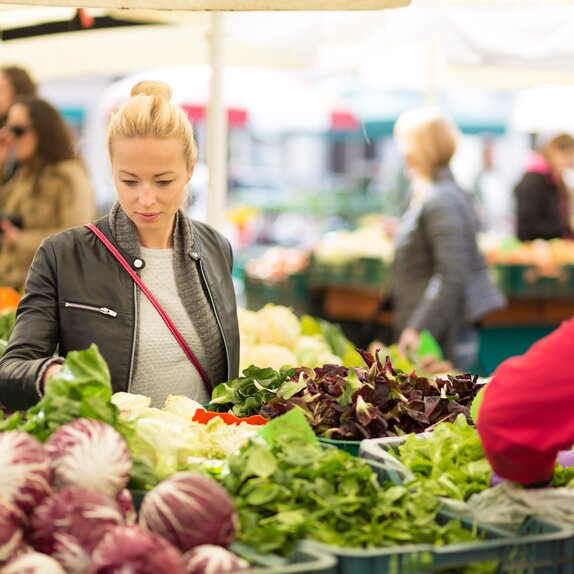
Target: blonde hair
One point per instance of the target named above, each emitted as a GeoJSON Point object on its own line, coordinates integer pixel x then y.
{"type": "Point", "coordinates": [149, 113]}
{"type": "Point", "coordinates": [429, 137]}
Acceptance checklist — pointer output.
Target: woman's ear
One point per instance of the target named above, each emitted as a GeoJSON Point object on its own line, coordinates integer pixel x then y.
{"type": "Point", "coordinates": [190, 172]}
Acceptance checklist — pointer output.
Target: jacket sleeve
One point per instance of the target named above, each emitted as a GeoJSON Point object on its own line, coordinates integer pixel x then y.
{"type": "Point", "coordinates": [538, 213]}
{"type": "Point", "coordinates": [447, 237]}
{"type": "Point", "coordinates": [526, 415]}
{"type": "Point", "coordinates": [34, 338]}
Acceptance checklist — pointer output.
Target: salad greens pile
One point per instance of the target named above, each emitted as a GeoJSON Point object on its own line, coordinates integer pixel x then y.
{"type": "Point", "coordinates": [7, 320]}
{"type": "Point", "coordinates": [287, 487]}
{"type": "Point", "coordinates": [350, 403]}
{"type": "Point", "coordinates": [449, 462]}
{"type": "Point", "coordinates": [373, 401]}
{"type": "Point", "coordinates": [246, 395]}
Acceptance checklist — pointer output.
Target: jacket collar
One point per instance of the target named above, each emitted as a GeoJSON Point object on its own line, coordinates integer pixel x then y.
{"type": "Point", "coordinates": [124, 231]}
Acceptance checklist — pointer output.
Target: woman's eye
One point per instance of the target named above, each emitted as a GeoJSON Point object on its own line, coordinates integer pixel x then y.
{"type": "Point", "coordinates": [164, 182]}
{"type": "Point", "coordinates": [129, 182]}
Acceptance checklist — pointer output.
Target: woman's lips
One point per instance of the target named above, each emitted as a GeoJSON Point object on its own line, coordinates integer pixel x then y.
{"type": "Point", "coordinates": [148, 216]}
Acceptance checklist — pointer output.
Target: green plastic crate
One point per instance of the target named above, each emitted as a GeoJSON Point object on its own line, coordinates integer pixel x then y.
{"type": "Point", "coordinates": [529, 281]}
{"type": "Point", "coordinates": [291, 292]}
{"type": "Point", "coordinates": [322, 274]}
{"type": "Point", "coordinates": [350, 446]}
{"type": "Point", "coordinates": [380, 449]}
{"type": "Point", "coordinates": [538, 548]}
{"type": "Point", "coordinates": [304, 560]}
{"type": "Point", "coordinates": [503, 275]}
{"type": "Point", "coordinates": [370, 272]}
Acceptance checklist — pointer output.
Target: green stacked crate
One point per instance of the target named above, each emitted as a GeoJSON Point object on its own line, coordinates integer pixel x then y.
{"type": "Point", "coordinates": [370, 272]}
{"type": "Point", "coordinates": [350, 446]}
{"type": "Point", "coordinates": [538, 548]}
{"type": "Point", "coordinates": [529, 281]}
{"type": "Point", "coordinates": [503, 275]}
{"type": "Point", "coordinates": [330, 274]}
{"type": "Point", "coordinates": [291, 292]}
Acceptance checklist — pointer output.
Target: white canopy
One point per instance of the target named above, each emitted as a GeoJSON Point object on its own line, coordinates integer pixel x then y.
{"type": "Point", "coordinates": [228, 5]}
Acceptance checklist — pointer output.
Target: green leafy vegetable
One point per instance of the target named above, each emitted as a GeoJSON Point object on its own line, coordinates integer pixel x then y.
{"type": "Point", "coordinates": [81, 389]}
{"type": "Point", "coordinates": [245, 395]}
{"type": "Point", "coordinates": [449, 462]}
{"type": "Point", "coordinates": [373, 401]}
{"type": "Point", "coordinates": [7, 321]}
{"type": "Point", "coordinates": [286, 487]}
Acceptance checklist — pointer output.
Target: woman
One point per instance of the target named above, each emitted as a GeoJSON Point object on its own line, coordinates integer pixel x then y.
{"type": "Point", "coordinates": [439, 279]}
{"type": "Point", "coordinates": [49, 192]}
{"type": "Point", "coordinates": [541, 197]}
{"type": "Point", "coordinates": [77, 293]}
{"type": "Point", "coordinates": [15, 82]}
{"type": "Point", "coordinates": [526, 415]}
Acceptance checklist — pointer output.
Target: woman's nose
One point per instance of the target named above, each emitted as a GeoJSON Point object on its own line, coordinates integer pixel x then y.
{"type": "Point", "coordinates": [146, 195]}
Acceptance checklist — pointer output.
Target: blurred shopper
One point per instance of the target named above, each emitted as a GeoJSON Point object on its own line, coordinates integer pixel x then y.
{"type": "Point", "coordinates": [541, 196]}
{"type": "Point", "coordinates": [14, 83]}
{"type": "Point", "coordinates": [440, 280]}
{"type": "Point", "coordinates": [525, 418]}
{"type": "Point", "coordinates": [493, 196]}
{"type": "Point", "coordinates": [79, 291]}
{"type": "Point", "coordinates": [50, 190]}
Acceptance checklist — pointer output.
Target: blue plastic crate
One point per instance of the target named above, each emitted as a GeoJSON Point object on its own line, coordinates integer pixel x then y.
{"type": "Point", "coordinates": [538, 548]}
{"type": "Point", "coordinates": [350, 446]}
{"type": "Point", "coordinates": [304, 560]}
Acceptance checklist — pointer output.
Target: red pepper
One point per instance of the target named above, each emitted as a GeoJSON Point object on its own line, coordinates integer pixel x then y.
{"type": "Point", "coordinates": [203, 416]}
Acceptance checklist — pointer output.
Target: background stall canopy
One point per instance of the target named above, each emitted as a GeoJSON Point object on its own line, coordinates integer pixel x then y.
{"type": "Point", "coordinates": [225, 5]}
{"type": "Point", "coordinates": [264, 101]}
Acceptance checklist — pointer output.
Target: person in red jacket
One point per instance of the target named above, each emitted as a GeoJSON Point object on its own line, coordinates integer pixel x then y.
{"type": "Point", "coordinates": [527, 413]}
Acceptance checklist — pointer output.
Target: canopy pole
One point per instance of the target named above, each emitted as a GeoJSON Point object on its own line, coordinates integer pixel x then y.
{"type": "Point", "coordinates": [216, 129]}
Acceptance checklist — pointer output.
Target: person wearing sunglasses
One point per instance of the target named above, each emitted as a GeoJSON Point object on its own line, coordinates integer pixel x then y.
{"type": "Point", "coordinates": [50, 190]}
{"type": "Point", "coordinates": [14, 83]}
{"type": "Point", "coordinates": [149, 286]}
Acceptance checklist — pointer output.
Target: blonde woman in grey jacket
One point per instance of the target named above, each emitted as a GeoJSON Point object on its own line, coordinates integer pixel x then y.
{"type": "Point", "coordinates": [440, 280]}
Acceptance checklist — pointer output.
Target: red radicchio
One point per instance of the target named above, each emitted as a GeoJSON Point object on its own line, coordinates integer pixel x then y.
{"type": "Point", "coordinates": [25, 469]}
{"type": "Point", "coordinates": [33, 563]}
{"type": "Point", "coordinates": [69, 524]}
{"type": "Point", "coordinates": [125, 503]}
{"type": "Point", "coordinates": [210, 559]}
{"type": "Point", "coordinates": [90, 454]}
{"type": "Point", "coordinates": [189, 510]}
{"type": "Point", "coordinates": [131, 550]}
{"type": "Point", "coordinates": [12, 522]}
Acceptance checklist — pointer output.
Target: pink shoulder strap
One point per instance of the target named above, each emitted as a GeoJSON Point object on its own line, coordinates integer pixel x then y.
{"type": "Point", "coordinates": [154, 302]}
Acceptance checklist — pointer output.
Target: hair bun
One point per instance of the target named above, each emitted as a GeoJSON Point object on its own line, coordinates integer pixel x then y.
{"type": "Point", "coordinates": [152, 88]}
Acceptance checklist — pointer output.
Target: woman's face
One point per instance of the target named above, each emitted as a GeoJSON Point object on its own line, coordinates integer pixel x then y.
{"type": "Point", "coordinates": [150, 176]}
{"type": "Point", "coordinates": [560, 160]}
{"type": "Point", "coordinates": [24, 138]}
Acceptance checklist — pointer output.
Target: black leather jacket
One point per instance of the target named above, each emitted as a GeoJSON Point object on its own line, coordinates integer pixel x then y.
{"type": "Point", "coordinates": [77, 294]}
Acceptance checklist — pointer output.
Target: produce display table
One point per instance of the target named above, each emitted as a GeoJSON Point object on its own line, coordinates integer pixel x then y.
{"type": "Point", "coordinates": [504, 333]}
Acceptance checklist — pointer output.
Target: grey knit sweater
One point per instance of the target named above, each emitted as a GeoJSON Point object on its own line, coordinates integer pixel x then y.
{"type": "Point", "coordinates": [190, 287]}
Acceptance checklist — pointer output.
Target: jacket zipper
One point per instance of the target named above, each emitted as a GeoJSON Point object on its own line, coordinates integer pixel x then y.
{"type": "Point", "coordinates": [216, 314]}
{"type": "Point", "coordinates": [102, 310]}
{"type": "Point", "coordinates": [134, 333]}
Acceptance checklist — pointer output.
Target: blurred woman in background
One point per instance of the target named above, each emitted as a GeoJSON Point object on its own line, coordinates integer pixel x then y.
{"type": "Point", "coordinates": [541, 196]}
{"type": "Point", "coordinates": [439, 279]}
{"type": "Point", "coordinates": [50, 190]}
{"type": "Point", "coordinates": [14, 83]}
